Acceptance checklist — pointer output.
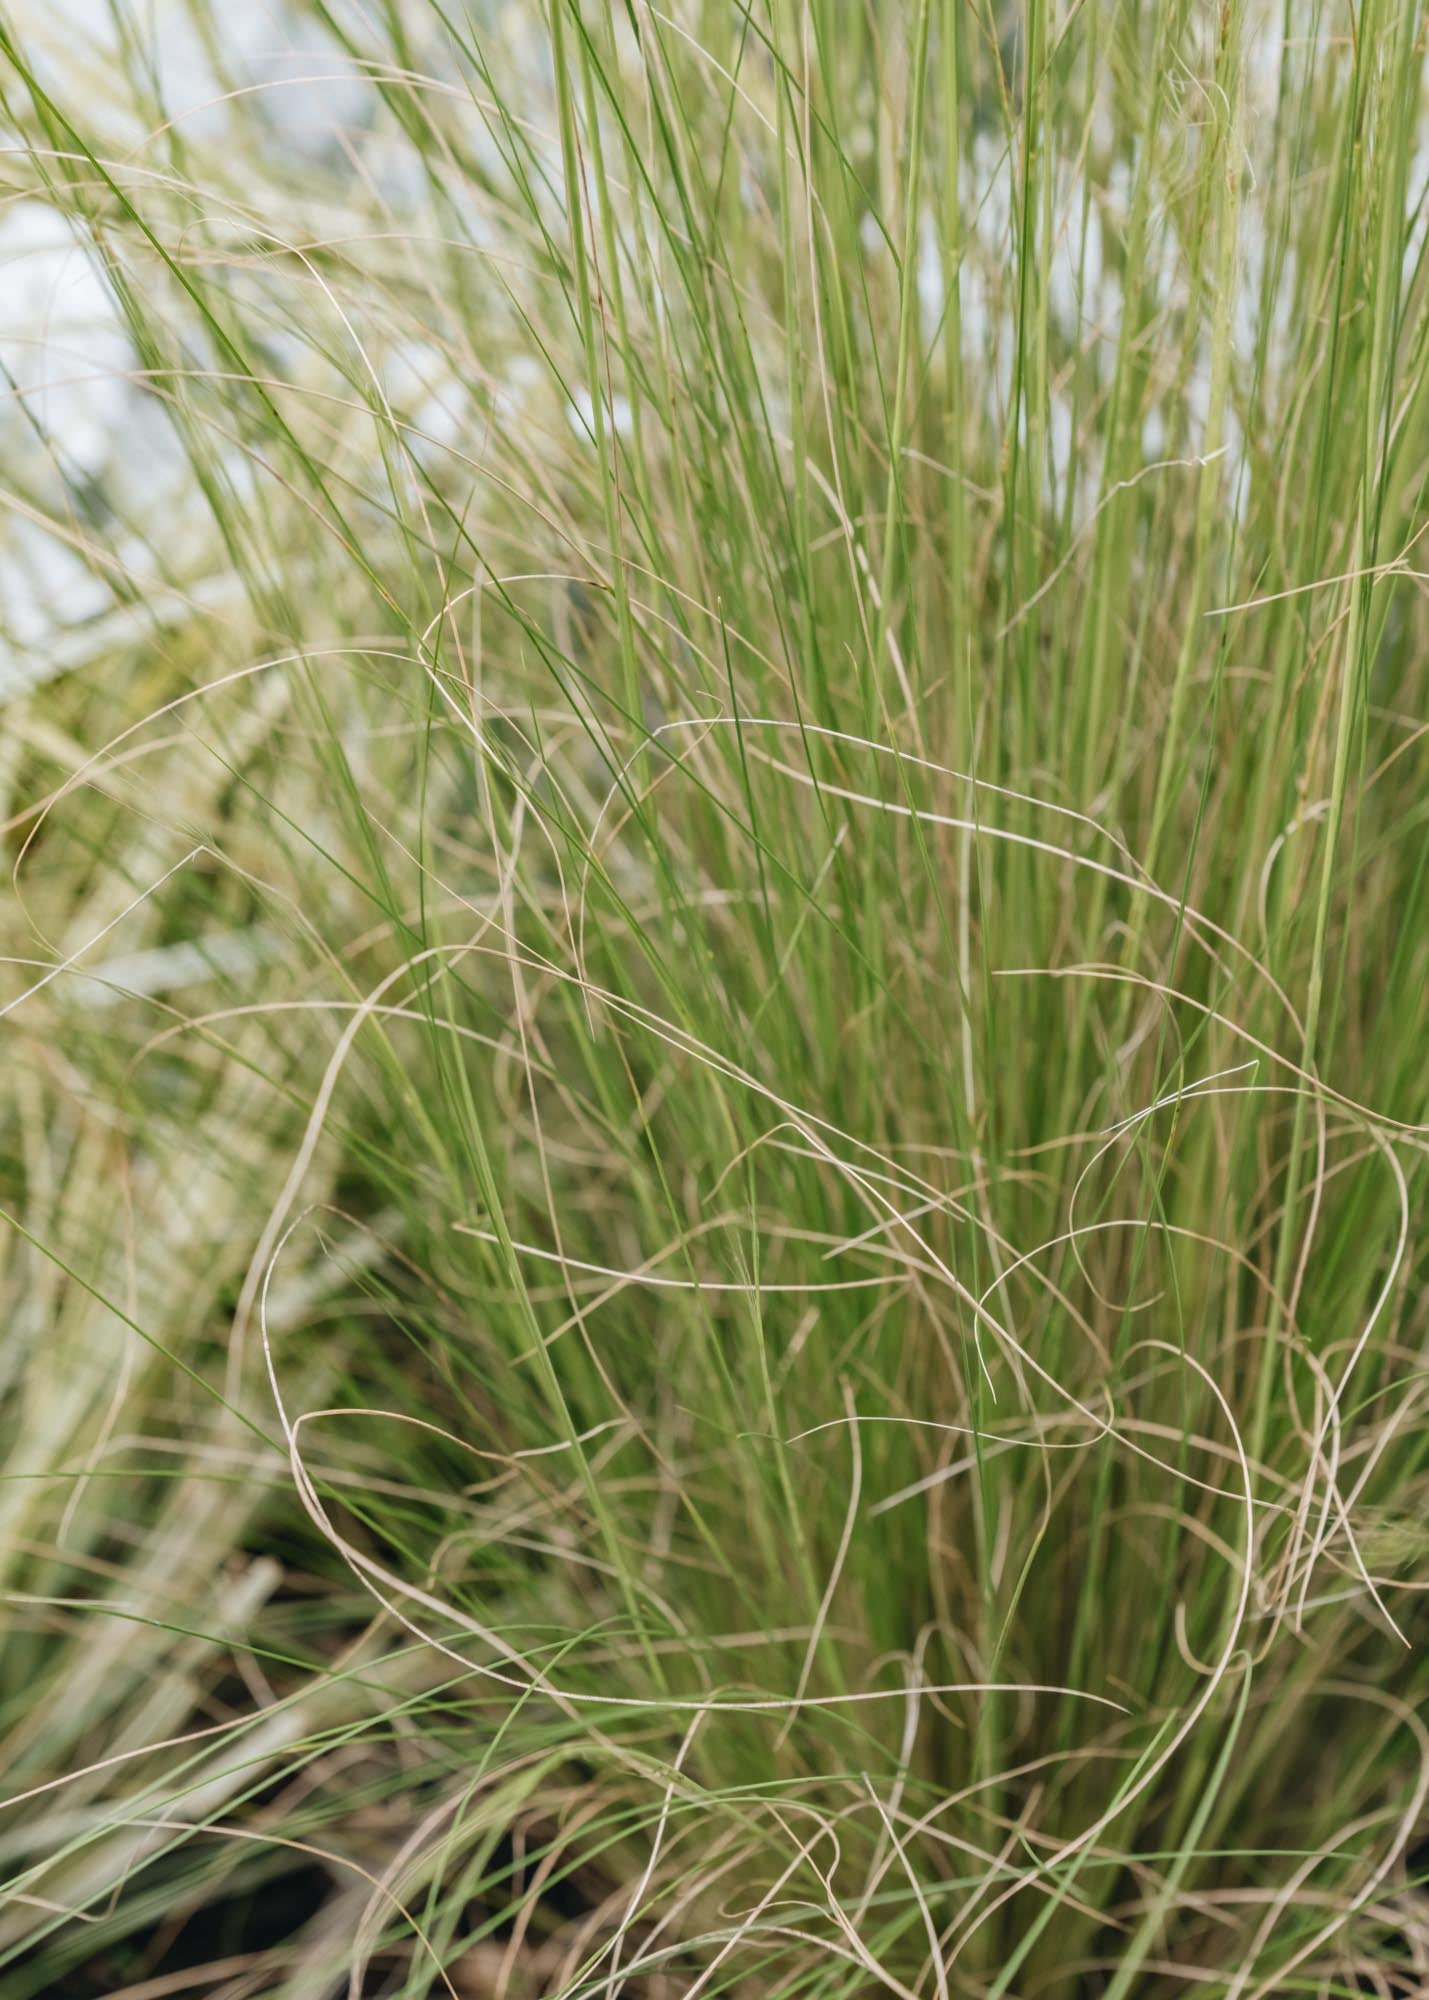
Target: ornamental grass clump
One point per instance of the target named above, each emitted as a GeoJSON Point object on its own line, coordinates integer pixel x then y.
{"type": "Point", "coordinates": [716, 1078]}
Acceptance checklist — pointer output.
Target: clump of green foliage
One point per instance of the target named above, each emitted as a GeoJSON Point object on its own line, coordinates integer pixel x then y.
{"type": "Point", "coordinates": [713, 1151]}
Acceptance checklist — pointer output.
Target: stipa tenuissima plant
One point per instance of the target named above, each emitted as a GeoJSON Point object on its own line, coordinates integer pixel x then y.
{"type": "Point", "coordinates": [717, 805]}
